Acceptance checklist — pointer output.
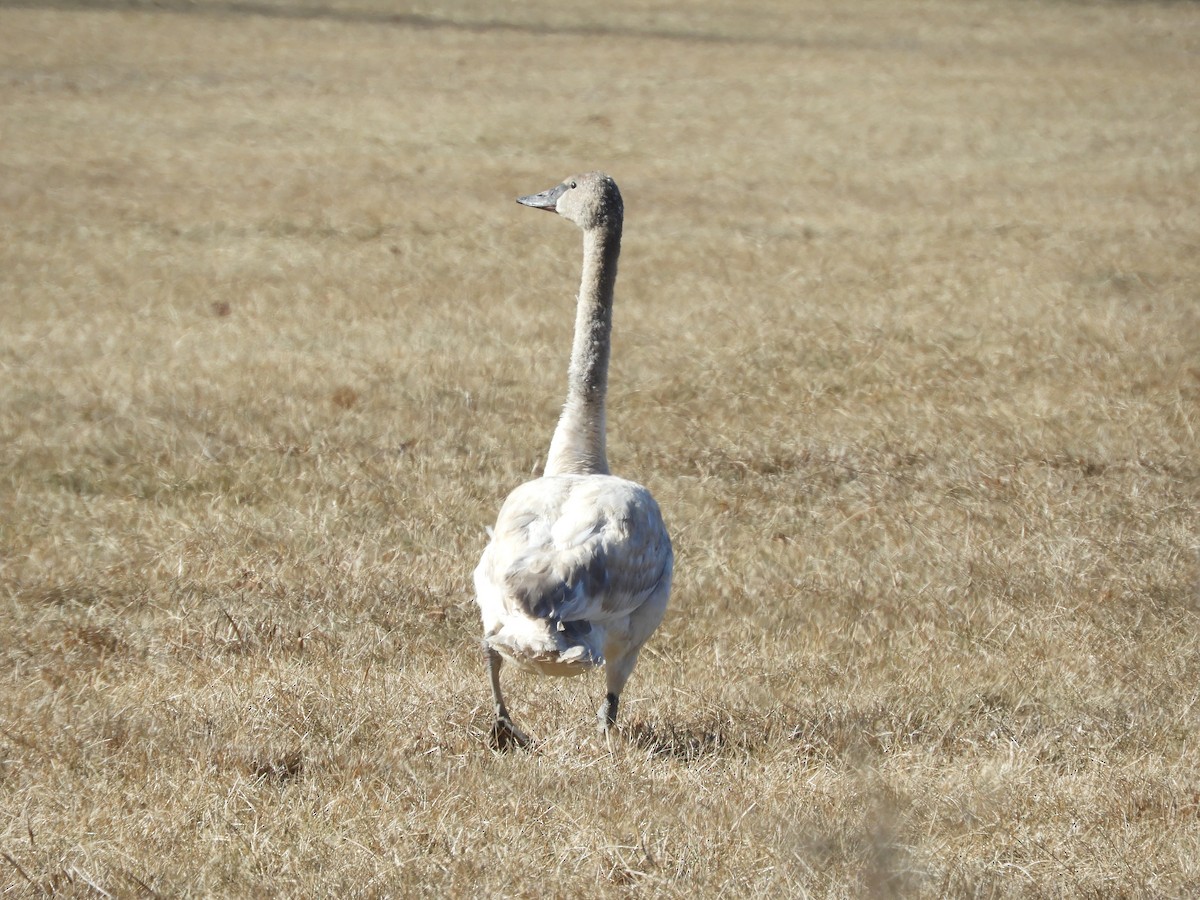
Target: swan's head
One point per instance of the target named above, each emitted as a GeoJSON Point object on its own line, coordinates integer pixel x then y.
{"type": "Point", "coordinates": [590, 201]}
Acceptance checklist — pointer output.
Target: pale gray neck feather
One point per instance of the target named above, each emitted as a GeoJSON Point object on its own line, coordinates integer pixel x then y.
{"type": "Point", "coordinates": [578, 446]}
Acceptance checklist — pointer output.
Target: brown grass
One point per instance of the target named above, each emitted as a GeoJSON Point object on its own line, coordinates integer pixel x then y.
{"type": "Point", "coordinates": [907, 346]}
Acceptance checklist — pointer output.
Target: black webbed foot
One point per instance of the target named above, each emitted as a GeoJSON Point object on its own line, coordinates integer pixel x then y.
{"type": "Point", "coordinates": [506, 736]}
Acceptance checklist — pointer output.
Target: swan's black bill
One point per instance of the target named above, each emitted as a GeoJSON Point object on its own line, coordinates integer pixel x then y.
{"type": "Point", "coordinates": [544, 200]}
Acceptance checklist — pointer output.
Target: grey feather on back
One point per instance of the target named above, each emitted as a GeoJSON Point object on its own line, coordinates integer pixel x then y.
{"type": "Point", "coordinates": [559, 585]}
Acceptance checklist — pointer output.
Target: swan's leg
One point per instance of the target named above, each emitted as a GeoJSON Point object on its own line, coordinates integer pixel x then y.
{"type": "Point", "coordinates": [616, 673]}
{"type": "Point", "coordinates": [608, 711]}
{"type": "Point", "coordinates": [504, 734]}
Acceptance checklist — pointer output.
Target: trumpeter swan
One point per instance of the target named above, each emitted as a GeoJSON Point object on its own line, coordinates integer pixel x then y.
{"type": "Point", "coordinates": [578, 571]}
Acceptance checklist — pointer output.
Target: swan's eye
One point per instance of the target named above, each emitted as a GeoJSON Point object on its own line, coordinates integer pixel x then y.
{"type": "Point", "coordinates": [573, 185]}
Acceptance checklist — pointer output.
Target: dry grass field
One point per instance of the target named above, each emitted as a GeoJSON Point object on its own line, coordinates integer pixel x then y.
{"type": "Point", "coordinates": [907, 345]}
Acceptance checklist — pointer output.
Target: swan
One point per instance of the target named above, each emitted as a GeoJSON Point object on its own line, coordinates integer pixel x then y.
{"type": "Point", "coordinates": [578, 570]}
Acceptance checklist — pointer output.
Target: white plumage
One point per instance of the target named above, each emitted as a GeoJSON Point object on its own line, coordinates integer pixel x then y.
{"type": "Point", "coordinates": [578, 571]}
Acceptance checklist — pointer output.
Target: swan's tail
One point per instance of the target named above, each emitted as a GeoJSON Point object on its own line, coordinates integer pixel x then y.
{"type": "Point", "coordinates": [549, 646]}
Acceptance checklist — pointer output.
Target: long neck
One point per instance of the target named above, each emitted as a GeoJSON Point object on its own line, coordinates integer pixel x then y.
{"type": "Point", "coordinates": [578, 443]}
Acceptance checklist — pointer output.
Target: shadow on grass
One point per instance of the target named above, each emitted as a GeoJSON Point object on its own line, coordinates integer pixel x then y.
{"type": "Point", "coordinates": [693, 741]}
